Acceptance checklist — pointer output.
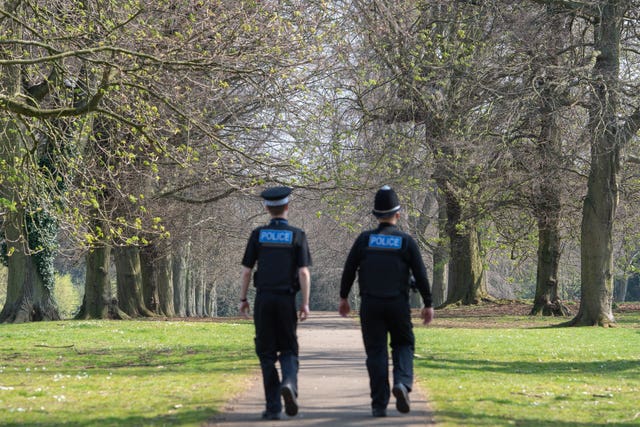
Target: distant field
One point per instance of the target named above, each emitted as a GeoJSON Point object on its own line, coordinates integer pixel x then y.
{"type": "Point", "coordinates": [495, 366]}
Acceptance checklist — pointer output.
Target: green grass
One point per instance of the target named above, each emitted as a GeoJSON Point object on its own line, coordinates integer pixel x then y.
{"type": "Point", "coordinates": [477, 371]}
{"type": "Point", "coordinates": [115, 373]}
{"type": "Point", "coordinates": [534, 376]}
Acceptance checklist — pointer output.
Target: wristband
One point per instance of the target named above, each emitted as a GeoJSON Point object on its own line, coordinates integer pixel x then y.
{"type": "Point", "coordinates": [243, 300]}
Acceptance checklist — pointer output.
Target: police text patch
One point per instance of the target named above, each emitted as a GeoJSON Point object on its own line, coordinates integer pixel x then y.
{"type": "Point", "coordinates": [385, 241]}
{"type": "Point", "coordinates": [279, 237]}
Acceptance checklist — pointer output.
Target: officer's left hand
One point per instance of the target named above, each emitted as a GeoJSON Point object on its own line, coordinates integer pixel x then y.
{"type": "Point", "coordinates": [244, 308]}
{"type": "Point", "coordinates": [303, 313]}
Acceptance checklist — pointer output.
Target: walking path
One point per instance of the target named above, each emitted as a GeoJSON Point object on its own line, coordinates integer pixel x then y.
{"type": "Point", "coordinates": [333, 384]}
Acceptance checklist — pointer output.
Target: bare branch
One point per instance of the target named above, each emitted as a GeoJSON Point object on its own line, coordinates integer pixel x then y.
{"type": "Point", "coordinates": [631, 126]}
{"type": "Point", "coordinates": [86, 54]}
{"type": "Point", "coordinates": [588, 8]}
{"type": "Point", "coordinates": [215, 198]}
{"type": "Point", "coordinates": [15, 106]}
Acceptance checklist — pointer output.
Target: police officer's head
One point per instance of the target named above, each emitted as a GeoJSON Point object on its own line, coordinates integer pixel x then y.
{"type": "Point", "coordinates": [386, 204]}
{"type": "Point", "coordinates": [276, 200]}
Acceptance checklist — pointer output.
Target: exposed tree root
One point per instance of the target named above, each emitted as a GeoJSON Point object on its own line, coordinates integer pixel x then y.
{"type": "Point", "coordinates": [550, 308]}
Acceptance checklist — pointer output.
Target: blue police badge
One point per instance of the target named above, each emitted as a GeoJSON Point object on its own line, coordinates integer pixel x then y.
{"type": "Point", "coordinates": [277, 237]}
{"type": "Point", "coordinates": [385, 241]}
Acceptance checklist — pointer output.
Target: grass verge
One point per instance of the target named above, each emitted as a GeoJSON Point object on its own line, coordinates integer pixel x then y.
{"type": "Point", "coordinates": [115, 373]}
{"type": "Point", "coordinates": [478, 368]}
{"type": "Point", "coordinates": [522, 371]}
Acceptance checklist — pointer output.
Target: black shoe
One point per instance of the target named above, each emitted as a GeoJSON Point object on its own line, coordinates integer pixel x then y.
{"type": "Point", "coordinates": [289, 396]}
{"type": "Point", "coordinates": [402, 398]}
{"type": "Point", "coordinates": [266, 415]}
{"type": "Point", "coordinates": [379, 412]}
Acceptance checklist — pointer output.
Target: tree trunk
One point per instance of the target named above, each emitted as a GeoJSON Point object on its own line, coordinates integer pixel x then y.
{"type": "Point", "coordinates": [547, 300]}
{"type": "Point", "coordinates": [467, 282]}
{"type": "Point", "coordinates": [440, 277]}
{"type": "Point", "coordinates": [599, 206]}
{"type": "Point", "coordinates": [191, 293]}
{"type": "Point", "coordinates": [597, 261]}
{"type": "Point", "coordinates": [198, 289]}
{"type": "Point", "coordinates": [212, 300]}
{"type": "Point", "coordinates": [180, 269]}
{"type": "Point", "coordinates": [204, 311]}
{"type": "Point", "coordinates": [129, 282]}
{"type": "Point", "coordinates": [633, 288]}
{"type": "Point", "coordinates": [98, 301]}
{"type": "Point", "coordinates": [148, 256]}
{"type": "Point", "coordinates": [440, 257]}
{"type": "Point", "coordinates": [619, 289]}
{"type": "Point", "coordinates": [165, 285]}
{"type": "Point", "coordinates": [28, 299]}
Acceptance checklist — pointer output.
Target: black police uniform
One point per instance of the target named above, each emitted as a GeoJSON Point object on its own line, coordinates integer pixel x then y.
{"type": "Point", "coordinates": [279, 250]}
{"type": "Point", "coordinates": [384, 259]}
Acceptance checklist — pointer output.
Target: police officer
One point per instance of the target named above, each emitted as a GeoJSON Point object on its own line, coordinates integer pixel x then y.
{"type": "Point", "coordinates": [283, 259]}
{"type": "Point", "coordinates": [384, 259]}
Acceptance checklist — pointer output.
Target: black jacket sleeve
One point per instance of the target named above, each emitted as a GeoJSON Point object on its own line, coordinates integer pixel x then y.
{"type": "Point", "coordinates": [350, 269]}
{"type": "Point", "coordinates": [419, 273]}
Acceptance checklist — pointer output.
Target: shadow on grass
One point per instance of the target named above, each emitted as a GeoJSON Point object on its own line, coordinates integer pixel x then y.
{"type": "Point", "coordinates": [630, 366]}
{"type": "Point", "coordinates": [628, 321]}
{"type": "Point", "coordinates": [194, 417]}
{"type": "Point", "coordinates": [479, 419]}
{"type": "Point", "coordinates": [133, 361]}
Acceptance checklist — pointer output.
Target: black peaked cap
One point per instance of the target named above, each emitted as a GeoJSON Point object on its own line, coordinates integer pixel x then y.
{"type": "Point", "coordinates": [276, 196]}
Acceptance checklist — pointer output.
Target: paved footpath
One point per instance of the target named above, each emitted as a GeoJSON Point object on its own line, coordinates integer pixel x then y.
{"type": "Point", "coordinates": [333, 384]}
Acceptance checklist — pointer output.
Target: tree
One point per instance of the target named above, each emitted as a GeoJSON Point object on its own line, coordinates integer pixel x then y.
{"type": "Point", "coordinates": [607, 136]}
{"type": "Point", "coordinates": [26, 231]}
{"type": "Point", "coordinates": [162, 88]}
{"type": "Point", "coordinates": [50, 83]}
{"type": "Point", "coordinates": [546, 200]}
{"type": "Point", "coordinates": [427, 52]}
{"type": "Point", "coordinates": [627, 251]}
{"type": "Point", "coordinates": [537, 93]}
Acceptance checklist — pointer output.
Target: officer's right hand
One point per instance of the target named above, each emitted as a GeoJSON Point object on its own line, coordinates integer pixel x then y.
{"type": "Point", "coordinates": [427, 315]}
{"type": "Point", "coordinates": [244, 308]}
{"type": "Point", "coordinates": [344, 308]}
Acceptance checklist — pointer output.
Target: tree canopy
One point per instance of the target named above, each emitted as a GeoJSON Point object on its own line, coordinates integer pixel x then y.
{"type": "Point", "coordinates": [508, 129]}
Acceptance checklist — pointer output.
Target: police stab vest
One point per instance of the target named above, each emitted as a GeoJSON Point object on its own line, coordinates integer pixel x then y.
{"type": "Point", "coordinates": [277, 267]}
{"type": "Point", "coordinates": [384, 268]}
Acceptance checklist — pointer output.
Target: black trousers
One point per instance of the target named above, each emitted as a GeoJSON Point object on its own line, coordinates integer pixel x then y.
{"type": "Point", "coordinates": [275, 321]}
{"type": "Point", "coordinates": [381, 318]}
